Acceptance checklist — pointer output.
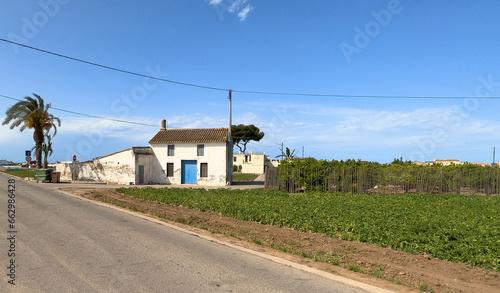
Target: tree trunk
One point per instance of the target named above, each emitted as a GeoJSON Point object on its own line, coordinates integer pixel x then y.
{"type": "Point", "coordinates": [242, 150]}
{"type": "Point", "coordinates": [45, 161]}
{"type": "Point", "coordinates": [38, 138]}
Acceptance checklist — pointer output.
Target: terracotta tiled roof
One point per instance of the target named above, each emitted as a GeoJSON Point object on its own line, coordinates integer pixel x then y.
{"type": "Point", "coordinates": [190, 135]}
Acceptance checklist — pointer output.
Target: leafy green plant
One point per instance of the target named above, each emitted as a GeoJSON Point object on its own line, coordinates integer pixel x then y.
{"type": "Point", "coordinates": [355, 268]}
{"type": "Point", "coordinates": [421, 286]}
{"type": "Point", "coordinates": [257, 241]}
{"type": "Point", "coordinates": [450, 227]}
{"type": "Point", "coordinates": [327, 258]}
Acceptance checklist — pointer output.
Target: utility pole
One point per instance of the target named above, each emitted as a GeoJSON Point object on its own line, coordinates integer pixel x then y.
{"type": "Point", "coordinates": [230, 111]}
{"type": "Point", "coordinates": [494, 163]}
{"type": "Point", "coordinates": [302, 152]}
{"type": "Point", "coordinates": [229, 164]}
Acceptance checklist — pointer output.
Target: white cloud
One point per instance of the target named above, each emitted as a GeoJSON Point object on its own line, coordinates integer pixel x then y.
{"type": "Point", "coordinates": [240, 7]}
{"type": "Point", "coordinates": [371, 133]}
{"type": "Point", "coordinates": [247, 118]}
{"type": "Point", "coordinates": [84, 124]}
{"type": "Point", "coordinates": [96, 132]}
{"type": "Point", "coordinates": [329, 130]}
{"type": "Point", "coordinates": [244, 12]}
{"type": "Point", "coordinates": [15, 138]}
{"type": "Point", "coordinates": [235, 6]}
{"type": "Point", "coordinates": [13, 143]}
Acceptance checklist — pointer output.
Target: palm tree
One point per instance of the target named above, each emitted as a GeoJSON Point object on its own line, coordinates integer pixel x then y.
{"type": "Point", "coordinates": [287, 154]}
{"type": "Point", "coordinates": [32, 113]}
{"type": "Point", "coordinates": [46, 149]}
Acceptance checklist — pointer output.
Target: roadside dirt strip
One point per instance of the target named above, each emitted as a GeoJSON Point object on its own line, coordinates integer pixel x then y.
{"type": "Point", "coordinates": [333, 258]}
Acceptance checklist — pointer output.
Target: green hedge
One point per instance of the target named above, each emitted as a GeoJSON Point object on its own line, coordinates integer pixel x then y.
{"type": "Point", "coordinates": [401, 177]}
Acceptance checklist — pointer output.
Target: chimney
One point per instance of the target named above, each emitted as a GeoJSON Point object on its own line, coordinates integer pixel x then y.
{"type": "Point", "coordinates": [163, 124]}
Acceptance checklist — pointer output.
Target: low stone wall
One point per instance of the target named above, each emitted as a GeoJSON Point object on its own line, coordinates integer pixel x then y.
{"type": "Point", "coordinates": [95, 171]}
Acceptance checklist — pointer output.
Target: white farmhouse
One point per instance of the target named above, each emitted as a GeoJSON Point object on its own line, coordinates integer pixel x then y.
{"type": "Point", "coordinates": [192, 156]}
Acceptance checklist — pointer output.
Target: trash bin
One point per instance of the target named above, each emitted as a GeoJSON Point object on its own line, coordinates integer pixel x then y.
{"type": "Point", "coordinates": [43, 175]}
{"type": "Point", "coordinates": [56, 176]}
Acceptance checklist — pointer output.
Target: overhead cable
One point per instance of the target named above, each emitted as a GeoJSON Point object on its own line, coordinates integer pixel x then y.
{"type": "Point", "coordinates": [88, 115]}
{"type": "Point", "coordinates": [240, 91]}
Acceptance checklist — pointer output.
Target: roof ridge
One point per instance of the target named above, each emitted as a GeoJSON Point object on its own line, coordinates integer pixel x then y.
{"type": "Point", "coordinates": [219, 128]}
{"type": "Point", "coordinates": [191, 135]}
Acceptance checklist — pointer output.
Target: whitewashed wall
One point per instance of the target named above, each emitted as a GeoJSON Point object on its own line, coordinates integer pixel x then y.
{"type": "Point", "coordinates": [215, 155]}
{"type": "Point", "coordinates": [118, 168]}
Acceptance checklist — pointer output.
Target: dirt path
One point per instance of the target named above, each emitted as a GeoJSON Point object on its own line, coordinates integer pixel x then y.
{"type": "Point", "coordinates": [383, 267]}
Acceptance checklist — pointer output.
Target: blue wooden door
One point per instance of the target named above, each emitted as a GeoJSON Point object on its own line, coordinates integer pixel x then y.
{"type": "Point", "coordinates": [189, 172]}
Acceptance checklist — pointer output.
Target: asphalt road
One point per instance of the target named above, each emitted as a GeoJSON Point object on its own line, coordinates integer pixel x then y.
{"type": "Point", "coordinates": [66, 244]}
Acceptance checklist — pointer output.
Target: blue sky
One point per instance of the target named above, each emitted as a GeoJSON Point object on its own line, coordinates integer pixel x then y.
{"type": "Point", "coordinates": [348, 48]}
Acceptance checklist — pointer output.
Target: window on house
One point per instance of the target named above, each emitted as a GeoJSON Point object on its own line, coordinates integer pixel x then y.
{"type": "Point", "coordinates": [170, 169]}
{"type": "Point", "coordinates": [234, 159]}
{"type": "Point", "coordinates": [201, 150]}
{"type": "Point", "coordinates": [171, 149]}
{"type": "Point", "coordinates": [203, 169]}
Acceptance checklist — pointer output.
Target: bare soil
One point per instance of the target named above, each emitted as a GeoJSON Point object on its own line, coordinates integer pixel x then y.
{"type": "Point", "coordinates": [383, 267]}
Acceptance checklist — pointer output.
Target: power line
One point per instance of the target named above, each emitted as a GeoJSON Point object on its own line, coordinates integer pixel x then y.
{"type": "Point", "coordinates": [88, 115]}
{"type": "Point", "coordinates": [359, 96]}
{"type": "Point", "coordinates": [239, 91]}
{"type": "Point", "coordinates": [112, 68]}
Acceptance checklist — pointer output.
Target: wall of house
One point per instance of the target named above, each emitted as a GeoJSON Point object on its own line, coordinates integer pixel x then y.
{"type": "Point", "coordinates": [214, 155]}
{"type": "Point", "coordinates": [250, 163]}
{"type": "Point", "coordinates": [118, 168]}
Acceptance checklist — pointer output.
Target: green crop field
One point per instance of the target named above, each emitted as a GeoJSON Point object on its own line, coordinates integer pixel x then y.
{"type": "Point", "coordinates": [450, 227]}
{"type": "Point", "coordinates": [244, 176]}
{"type": "Point", "coordinates": [22, 173]}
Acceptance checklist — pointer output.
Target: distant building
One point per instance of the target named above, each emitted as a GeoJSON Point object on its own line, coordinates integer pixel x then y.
{"type": "Point", "coordinates": [253, 163]}
{"type": "Point", "coordinates": [447, 162]}
{"type": "Point", "coordinates": [453, 162]}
